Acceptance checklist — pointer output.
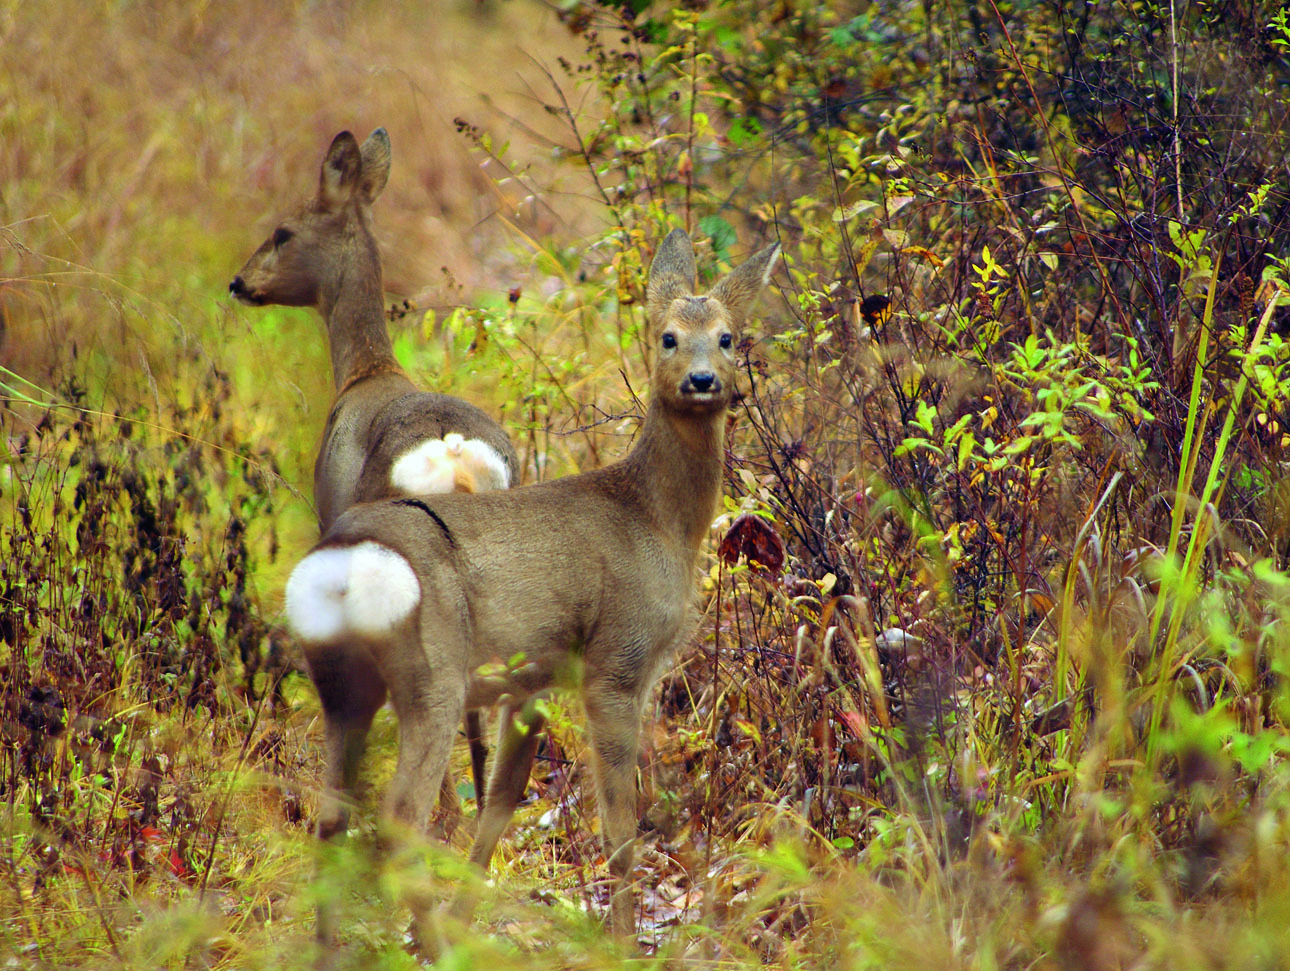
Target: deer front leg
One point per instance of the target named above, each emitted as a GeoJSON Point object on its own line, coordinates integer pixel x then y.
{"type": "Point", "coordinates": [614, 716]}
{"type": "Point", "coordinates": [519, 728]}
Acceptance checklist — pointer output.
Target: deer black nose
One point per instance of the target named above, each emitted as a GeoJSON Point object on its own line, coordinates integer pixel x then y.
{"type": "Point", "coordinates": [702, 380]}
{"type": "Point", "coordinates": [237, 287]}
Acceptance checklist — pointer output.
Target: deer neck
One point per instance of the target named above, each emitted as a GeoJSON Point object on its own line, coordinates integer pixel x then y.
{"type": "Point", "coordinates": [355, 315]}
{"type": "Point", "coordinates": [677, 465]}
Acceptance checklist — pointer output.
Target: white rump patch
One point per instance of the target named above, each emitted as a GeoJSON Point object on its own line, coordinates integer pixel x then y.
{"type": "Point", "coordinates": [427, 469]}
{"type": "Point", "coordinates": [383, 590]}
{"type": "Point", "coordinates": [450, 464]}
{"type": "Point", "coordinates": [362, 590]}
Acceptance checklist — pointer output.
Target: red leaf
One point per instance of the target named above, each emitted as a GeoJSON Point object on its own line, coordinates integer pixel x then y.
{"type": "Point", "coordinates": [753, 537]}
{"type": "Point", "coordinates": [177, 866]}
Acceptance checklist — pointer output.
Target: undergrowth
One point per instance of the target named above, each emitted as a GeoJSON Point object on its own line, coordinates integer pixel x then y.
{"type": "Point", "coordinates": [990, 668]}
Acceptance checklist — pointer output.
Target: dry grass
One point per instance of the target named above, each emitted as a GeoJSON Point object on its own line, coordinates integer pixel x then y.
{"type": "Point", "coordinates": [146, 150]}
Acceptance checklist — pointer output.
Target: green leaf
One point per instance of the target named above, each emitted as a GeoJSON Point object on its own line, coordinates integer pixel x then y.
{"type": "Point", "coordinates": [965, 450]}
{"type": "Point", "coordinates": [743, 131]}
{"type": "Point", "coordinates": [913, 444]}
{"type": "Point", "coordinates": [721, 233]}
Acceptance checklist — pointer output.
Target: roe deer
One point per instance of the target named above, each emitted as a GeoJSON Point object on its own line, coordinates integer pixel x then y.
{"type": "Point", "coordinates": [587, 579]}
{"type": "Point", "coordinates": [384, 437]}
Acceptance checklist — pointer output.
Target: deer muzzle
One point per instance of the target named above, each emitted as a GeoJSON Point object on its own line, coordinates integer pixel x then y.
{"type": "Point", "coordinates": [238, 291]}
{"type": "Point", "coordinates": [700, 383]}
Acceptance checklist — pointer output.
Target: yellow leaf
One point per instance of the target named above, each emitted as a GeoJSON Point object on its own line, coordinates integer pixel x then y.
{"type": "Point", "coordinates": [926, 254]}
{"type": "Point", "coordinates": [864, 252]}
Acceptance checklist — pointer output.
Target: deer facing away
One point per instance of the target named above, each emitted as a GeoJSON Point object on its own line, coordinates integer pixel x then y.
{"type": "Point", "coordinates": [323, 255]}
{"type": "Point", "coordinates": [384, 437]}
{"type": "Point", "coordinates": [589, 579]}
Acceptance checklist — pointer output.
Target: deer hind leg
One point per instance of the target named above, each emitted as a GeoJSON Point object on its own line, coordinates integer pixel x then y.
{"type": "Point", "coordinates": [428, 701]}
{"type": "Point", "coordinates": [519, 729]}
{"type": "Point", "coordinates": [614, 717]}
{"type": "Point", "coordinates": [449, 814]}
{"type": "Point", "coordinates": [351, 692]}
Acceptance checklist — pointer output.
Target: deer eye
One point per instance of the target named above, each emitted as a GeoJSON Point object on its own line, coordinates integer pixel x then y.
{"type": "Point", "coordinates": [669, 341]}
{"type": "Point", "coordinates": [725, 342]}
{"type": "Point", "coordinates": [281, 236]}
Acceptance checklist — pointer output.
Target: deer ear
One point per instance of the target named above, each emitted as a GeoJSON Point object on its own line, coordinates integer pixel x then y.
{"type": "Point", "coordinates": [376, 164]}
{"type": "Point", "coordinates": [671, 275]}
{"type": "Point", "coordinates": [341, 170]}
{"type": "Point", "coordinates": [739, 288]}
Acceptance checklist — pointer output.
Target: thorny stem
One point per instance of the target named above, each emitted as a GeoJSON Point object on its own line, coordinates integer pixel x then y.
{"type": "Point", "coordinates": [714, 774]}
